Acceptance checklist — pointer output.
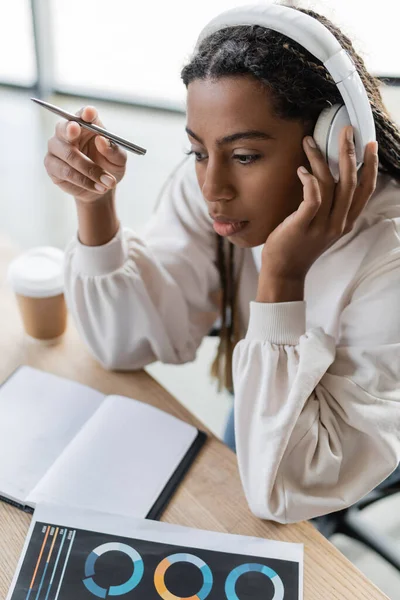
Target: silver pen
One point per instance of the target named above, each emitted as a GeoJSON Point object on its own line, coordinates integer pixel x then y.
{"type": "Point", "coordinates": [107, 134]}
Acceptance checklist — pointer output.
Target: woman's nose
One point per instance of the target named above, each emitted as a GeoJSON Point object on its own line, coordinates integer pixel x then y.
{"type": "Point", "coordinates": [216, 185]}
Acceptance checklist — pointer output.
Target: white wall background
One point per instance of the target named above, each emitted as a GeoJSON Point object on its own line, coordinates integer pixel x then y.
{"type": "Point", "coordinates": [132, 48]}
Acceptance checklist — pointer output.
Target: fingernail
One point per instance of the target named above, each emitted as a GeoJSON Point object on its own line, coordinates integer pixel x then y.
{"type": "Point", "coordinates": [303, 170]}
{"type": "Point", "coordinates": [375, 147]}
{"type": "Point", "coordinates": [100, 188]}
{"type": "Point", "coordinates": [311, 142]}
{"type": "Point", "coordinates": [107, 180]}
{"type": "Point", "coordinates": [349, 134]}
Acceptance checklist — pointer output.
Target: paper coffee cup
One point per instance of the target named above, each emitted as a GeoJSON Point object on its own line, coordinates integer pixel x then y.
{"type": "Point", "coordinates": [37, 280]}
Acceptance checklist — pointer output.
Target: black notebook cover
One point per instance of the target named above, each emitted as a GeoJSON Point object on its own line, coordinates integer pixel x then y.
{"type": "Point", "coordinates": [165, 496]}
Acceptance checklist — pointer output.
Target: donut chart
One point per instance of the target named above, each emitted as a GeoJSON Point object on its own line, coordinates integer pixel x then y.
{"type": "Point", "coordinates": [64, 563]}
{"type": "Point", "coordinates": [159, 576]}
{"type": "Point", "coordinates": [113, 590]}
{"type": "Point", "coordinates": [230, 585]}
{"type": "Point", "coordinates": [162, 568]}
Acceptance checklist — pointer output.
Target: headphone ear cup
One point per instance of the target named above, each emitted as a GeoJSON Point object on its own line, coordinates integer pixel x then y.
{"type": "Point", "coordinates": [322, 127]}
{"type": "Point", "coordinates": [327, 135]}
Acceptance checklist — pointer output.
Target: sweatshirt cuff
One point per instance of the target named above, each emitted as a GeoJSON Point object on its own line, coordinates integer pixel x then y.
{"type": "Point", "coordinates": [101, 260]}
{"type": "Point", "coordinates": [277, 322]}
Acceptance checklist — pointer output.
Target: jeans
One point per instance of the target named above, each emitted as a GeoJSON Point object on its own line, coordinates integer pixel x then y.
{"type": "Point", "coordinates": [325, 523]}
{"type": "Point", "coordinates": [229, 434]}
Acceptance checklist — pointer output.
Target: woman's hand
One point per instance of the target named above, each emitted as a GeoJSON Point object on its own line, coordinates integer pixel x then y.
{"type": "Point", "coordinates": [328, 211]}
{"type": "Point", "coordinates": [83, 163]}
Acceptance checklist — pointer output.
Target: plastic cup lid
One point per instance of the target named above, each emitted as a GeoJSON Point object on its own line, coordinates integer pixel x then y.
{"type": "Point", "coordinates": [38, 273]}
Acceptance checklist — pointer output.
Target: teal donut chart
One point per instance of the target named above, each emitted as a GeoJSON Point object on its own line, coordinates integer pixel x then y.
{"type": "Point", "coordinates": [114, 590]}
{"type": "Point", "coordinates": [230, 585]}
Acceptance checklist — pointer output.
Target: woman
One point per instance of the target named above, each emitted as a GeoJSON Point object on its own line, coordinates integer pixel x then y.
{"type": "Point", "coordinates": [312, 334]}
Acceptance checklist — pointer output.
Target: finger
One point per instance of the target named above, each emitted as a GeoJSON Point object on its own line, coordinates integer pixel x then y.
{"type": "Point", "coordinates": [112, 152]}
{"type": "Point", "coordinates": [347, 183]}
{"type": "Point", "coordinates": [321, 171]}
{"type": "Point", "coordinates": [311, 204]}
{"type": "Point", "coordinates": [68, 131]}
{"type": "Point", "coordinates": [72, 132]}
{"type": "Point", "coordinates": [60, 172]}
{"type": "Point", "coordinates": [89, 114]}
{"type": "Point", "coordinates": [367, 184]}
{"type": "Point", "coordinates": [71, 155]}
{"type": "Point", "coordinates": [70, 188]}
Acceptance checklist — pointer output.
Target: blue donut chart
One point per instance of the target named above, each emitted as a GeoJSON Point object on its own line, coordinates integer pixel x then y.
{"type": "Point", "coordinates": [230, 585]}
{"type": "Point", "coordinates": [114, 590]}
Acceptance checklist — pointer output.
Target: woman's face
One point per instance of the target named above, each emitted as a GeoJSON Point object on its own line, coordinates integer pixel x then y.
{"type": "Point", "coordinates": [250, 177]}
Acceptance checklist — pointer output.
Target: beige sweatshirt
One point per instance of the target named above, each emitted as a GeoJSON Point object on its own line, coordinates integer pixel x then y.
{"type": "Point", "coordinates": [317, 383]}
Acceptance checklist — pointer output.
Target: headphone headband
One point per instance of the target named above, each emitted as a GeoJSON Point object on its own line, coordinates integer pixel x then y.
{"type": "Point", "coordinates": [321, 43]}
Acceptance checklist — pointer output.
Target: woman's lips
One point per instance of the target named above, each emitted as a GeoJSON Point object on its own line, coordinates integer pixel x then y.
{"type": "Point", "coordinates": [232, 228]}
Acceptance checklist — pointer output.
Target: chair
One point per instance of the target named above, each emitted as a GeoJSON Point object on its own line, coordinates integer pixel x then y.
{"type": "Point", "coordinates": [350, 523]}
{"type": "Point", "coordinates": [214, 331]}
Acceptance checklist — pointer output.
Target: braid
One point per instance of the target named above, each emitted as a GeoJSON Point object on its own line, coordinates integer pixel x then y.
{"type": "Point", "coordinates": [221, 368]}
{"type": "Point", "coordinates": [300, 88]}
{"type": "Point", "coordinates": [301, 58]}
{"type": "Point", "coordinates": [389, 154]}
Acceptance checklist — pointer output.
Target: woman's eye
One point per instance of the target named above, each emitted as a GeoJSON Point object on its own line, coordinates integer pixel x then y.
{"type": "Point", "coordinates": [246, 159]}
{"type": "Point", "coordinates": [242, 159]}
{"type": "Point", "coordinates": [198, 155]}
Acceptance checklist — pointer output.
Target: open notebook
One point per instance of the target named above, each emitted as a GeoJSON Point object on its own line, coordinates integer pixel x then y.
{"type": "Point", "coordinates": [67, 444]}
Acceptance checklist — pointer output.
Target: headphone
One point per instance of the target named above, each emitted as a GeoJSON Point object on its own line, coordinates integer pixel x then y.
{"type": "Point", "coordinates": [319, 41]}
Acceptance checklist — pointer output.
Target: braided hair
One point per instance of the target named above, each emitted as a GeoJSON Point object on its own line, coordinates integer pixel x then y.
{"type": "Point", "coordinates": [300, 88]}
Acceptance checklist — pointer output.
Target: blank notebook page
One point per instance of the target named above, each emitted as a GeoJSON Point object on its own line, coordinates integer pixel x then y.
{"type": "Point", "coordinates": [120, 461]}
{"type": "Point", "coordinates": [39, 415]}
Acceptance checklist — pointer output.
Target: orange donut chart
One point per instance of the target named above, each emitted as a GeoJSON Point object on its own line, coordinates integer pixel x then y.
{"type": "Point", "coordinates": [159, 577]}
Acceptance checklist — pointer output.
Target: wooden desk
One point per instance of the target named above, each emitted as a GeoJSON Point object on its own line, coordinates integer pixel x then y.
{"type": "Point", "coordinates": [210, 496]}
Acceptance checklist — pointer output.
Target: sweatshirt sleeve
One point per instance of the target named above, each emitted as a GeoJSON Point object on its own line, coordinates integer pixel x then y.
{"type": "Point", "coordinates": [318, 420]}
{"type": "Point", "coordinates": [138, 299]}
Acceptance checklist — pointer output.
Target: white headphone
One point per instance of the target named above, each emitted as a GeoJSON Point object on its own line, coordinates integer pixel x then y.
{"type": "Point", "coordinates": [318, 40]}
